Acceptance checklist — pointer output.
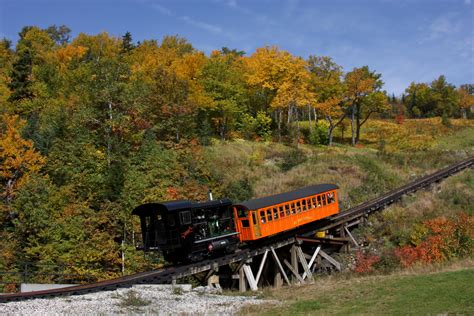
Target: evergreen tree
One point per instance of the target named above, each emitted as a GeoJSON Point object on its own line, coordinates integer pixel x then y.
{"type": "Point", "coordinates": [127, 43]}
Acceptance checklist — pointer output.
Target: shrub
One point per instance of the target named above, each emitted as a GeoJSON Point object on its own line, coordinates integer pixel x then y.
{"type": "Point", "coordinates": [365, 262]}
{"type": "Point", "coordinates": [319, 134]}
{"type": "Point", "coordinates": [292, 159]}
{"type": "Point", "coordinates": [438, 240]}
{"type": "Point", "coordinates": [259, 126]}
{"type": "Point", "coordinates": [133, 299]}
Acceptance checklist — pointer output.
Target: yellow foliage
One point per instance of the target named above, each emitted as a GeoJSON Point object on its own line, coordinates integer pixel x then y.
{"type": "Point", "coordinates": [67, 53]}
{"type": "Point", "coordinates": [17, 156]}
{"type": "Point", "coordinates": [279, 71]}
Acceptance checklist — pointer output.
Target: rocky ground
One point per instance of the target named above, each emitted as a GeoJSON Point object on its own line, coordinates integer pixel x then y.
{"type": "Point", "coordinates": [141, 299]}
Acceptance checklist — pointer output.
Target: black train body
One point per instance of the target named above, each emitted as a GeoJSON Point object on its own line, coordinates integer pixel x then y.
{"type": "Point", "coordinates": [187, 231]}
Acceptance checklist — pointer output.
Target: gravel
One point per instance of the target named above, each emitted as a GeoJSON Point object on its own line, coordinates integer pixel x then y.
{"type": "Point", "coordinates": [142, 299]}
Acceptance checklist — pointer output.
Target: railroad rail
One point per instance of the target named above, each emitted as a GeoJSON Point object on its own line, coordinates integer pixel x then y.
{"type": "Point", "coordinates": [347, 218]}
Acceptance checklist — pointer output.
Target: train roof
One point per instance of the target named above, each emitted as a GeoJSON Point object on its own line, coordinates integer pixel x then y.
{"type": "Point", "coordinates": [174, 206]}
{"type": "Point", "coordinates": [266, 201]}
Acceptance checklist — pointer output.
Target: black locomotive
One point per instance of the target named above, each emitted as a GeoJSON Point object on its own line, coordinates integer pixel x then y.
{"type": "Point", "coordinates": [188, 231]}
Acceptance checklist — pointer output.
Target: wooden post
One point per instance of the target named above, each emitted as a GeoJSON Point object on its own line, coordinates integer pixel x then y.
{"type": "Point", "coordinates": [277, 280]}
{"type": "Point", "coordinates": [242, 281]}
{"type": "Point", "coordinates": [294, 259]}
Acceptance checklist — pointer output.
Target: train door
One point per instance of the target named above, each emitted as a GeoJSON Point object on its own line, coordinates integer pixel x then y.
{"type": "Point", "coordinates": [256, 224]}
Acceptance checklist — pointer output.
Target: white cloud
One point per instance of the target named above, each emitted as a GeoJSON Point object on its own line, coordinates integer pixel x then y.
{"type": "Point", "coordinates": [444, 25]}
{"type": "Point", "coordinates": [161, 9]}
{"type": "Point", "coordinates": [201, 25]}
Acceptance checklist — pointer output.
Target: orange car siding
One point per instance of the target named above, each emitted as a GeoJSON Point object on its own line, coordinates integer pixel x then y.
{"type": "Point", "coordinates": [277, 218]}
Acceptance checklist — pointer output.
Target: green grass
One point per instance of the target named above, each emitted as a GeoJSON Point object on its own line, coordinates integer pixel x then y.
{"type": "Point", "coordinates": [436, 293]}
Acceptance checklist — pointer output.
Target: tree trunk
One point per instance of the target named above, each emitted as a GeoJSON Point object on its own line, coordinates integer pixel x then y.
{"type": "Point", "coordinates": [352, 124]}
{"type": "Point", "coordinates": [309, 119]}
{"type": "Point", "coordinates": [358, 124]}
{"type": "Point", "coordinates": [297, 130]}
{"type": "Point", "coordinates": [330, 130]}
{"type": "Point", "coordinates": [279, 125]}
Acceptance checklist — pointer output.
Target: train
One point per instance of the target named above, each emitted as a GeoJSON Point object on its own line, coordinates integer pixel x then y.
{"type": "Point", "coordinates": [190, 231]}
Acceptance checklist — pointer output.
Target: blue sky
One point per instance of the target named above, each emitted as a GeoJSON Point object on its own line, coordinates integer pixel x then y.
{"type": "Point", "coordinates": [405, 40]}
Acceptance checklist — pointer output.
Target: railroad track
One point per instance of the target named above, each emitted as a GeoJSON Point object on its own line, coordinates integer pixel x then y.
{"type": "Point", "coordinates": [169, 274]}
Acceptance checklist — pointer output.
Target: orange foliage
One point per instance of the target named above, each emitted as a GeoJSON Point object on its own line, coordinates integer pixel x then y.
{"type": "Point", "coordinates": [444, 239]}
{"type": "Point", "coordinates": [365, 262]}
{"type": "Point", "coordinates": [17, 156]}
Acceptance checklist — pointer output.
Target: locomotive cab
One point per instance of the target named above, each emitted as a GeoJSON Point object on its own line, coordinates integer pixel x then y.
{"type": "Point", "coordinates": [187, 230]}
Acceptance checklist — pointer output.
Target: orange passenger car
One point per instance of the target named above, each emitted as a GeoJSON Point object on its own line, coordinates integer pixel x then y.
{"type": "Point", "coordinates": [267, 216]}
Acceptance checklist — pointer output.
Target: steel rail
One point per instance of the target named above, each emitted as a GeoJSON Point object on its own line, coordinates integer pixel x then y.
{"type": "Point", "coordinates": [169, 274]}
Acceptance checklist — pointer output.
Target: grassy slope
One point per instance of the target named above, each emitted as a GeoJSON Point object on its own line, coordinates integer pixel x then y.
{"type": "Point", "coordinates": [361, 172]}
{"type": "Point", "coordinates": [364, 172]}
{"type": "Point", "coordinates": [417, 293]}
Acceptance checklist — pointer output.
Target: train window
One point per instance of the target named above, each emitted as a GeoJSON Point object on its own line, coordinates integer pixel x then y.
{"type": "Point", "coordinates": [262, 216]}
{"type": "Point", "coordinates": [324, 199]}
{"type": "Point", "coordinates": [241, 212]}
{"type": "Point", "coordinates": [282, 211]}
{"type": "Point", "coordinates": [304, 205]}
{"type": "Point", "coordinates": [269, 214]}
{"type": "Point", "coordinates": [275, 213]}
{"type": "Point", "coordinates": [293, 208]}
{"type": "Point", "coordinates": [245, 223]}
{"type": "Point", "coordinates": [319, 200]}
{"type": "Point", "coordinates": [331, 196]}
{"type": "Point", "coordinates": [287, 209]}
{"type": "Point", "coordinates": [313, 202]}
{"type": "Point", "coordinates": [171, 221]}
{"type": "Point", "coordinates": [185, 217]}
{"type": "Point", "coordinates": [254, 218]}
{"type": "Point", "coordinates": [328, 198]}
{"type": "Point", "coordinates": [298, 206]}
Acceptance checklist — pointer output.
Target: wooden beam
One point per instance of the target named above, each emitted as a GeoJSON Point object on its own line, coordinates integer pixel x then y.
{"type": "Point", "coordinates": [330, 260]}
{"type": "Point", "coordinates": [315, 254]}
{"type": "Point", "coordinates": [260, 269]}
{"type": "Point", "coordinates": [280, 266]}
{"type": "Point", "coordinates": [294, 271]}
{"type": "Point", "coordinates": [351, 237]}
{"type": "Point", "coordinates": [250, 277]}
{"type": "Point", "coordinates": [303, 262]}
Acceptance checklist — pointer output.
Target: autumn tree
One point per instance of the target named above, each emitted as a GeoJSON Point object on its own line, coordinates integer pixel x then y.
{"type": "Point", "coordinates": [223, 81]}
{"type": "Point", "coordinates": [466, 99]}
{"type": "Point", "coordinates": [18, 157]}
{"type": "Point", "coordinates": [363, 97]}
{"type": "Point", "coordinates": [329, 90]}
{"type": "Point", "coordinates": [6, 57]}
{"type": "Point", "coordinates": [434, 99]}
{"type": "Point", "coordinates": [283, 78]}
